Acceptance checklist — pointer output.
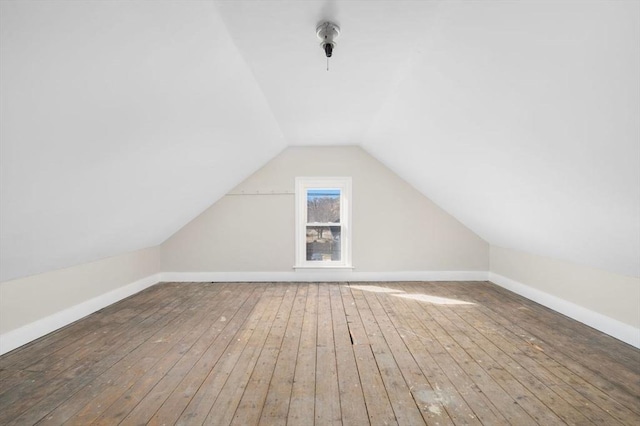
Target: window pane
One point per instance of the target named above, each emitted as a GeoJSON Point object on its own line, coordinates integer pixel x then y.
{"type": "Point", "coordinates": [323, 243]}
{"type": "Point", "coordinates": [323, 205]}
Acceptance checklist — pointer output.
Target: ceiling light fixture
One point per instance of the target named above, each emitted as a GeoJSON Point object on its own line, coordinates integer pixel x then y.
{"type": "Point", "coordinates": [328, 32]}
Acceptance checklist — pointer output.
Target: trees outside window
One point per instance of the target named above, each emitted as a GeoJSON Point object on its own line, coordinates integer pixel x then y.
{"type": "Point", "coordinates": [322, 212]}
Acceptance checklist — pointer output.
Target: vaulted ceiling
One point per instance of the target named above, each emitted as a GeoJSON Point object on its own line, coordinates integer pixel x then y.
{"type": "Point", "coordinates": [122, 121]}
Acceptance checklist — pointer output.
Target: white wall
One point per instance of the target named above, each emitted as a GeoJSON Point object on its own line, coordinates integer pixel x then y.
{"type": "Point", "coordinates": [604, 300]}
{"type": "Point", "coordinates": [397, 234]}
{"type": "Point", "coordinates": [121, 122]}
{"type": "Point", "coordinates": [33, 306]}
{"type": "Point", "coordinates": [395, 228]}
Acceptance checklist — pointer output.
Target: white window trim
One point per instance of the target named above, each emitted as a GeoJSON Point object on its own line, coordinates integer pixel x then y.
{"type": "Point", "coordinates": [304, 183]}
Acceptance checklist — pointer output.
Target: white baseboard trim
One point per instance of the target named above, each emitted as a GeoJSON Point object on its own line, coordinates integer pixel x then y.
{"type": "Point", "coordinates": [608, 325]}
{"type": "Point", "coordinates": [27, 333]}
{"type": "Point", "coordinates": [15, 338]}
{"type": "Point", "coordinates": [319, 275]}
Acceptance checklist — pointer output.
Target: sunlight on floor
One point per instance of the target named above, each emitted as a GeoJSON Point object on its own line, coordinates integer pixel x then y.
{"type": "Point", "coordinates": [436, 300]}
{"type": "Point", "coordinates": [433, 299]}
{"type": "Point", "coordinates": [375, 289]}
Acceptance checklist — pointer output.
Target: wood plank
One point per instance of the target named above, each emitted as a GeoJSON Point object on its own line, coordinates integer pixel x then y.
{"type": "Point", "coordinates": [589, 387]}
{"type": "Point", "coordinates": [22, 357]}
{"type": "Point", "coordinates": [616, 373]}
{"type": "Point", "coordinates": [376, 397]}
{"type": "Point", "coordinates": [420, 344]}
{"type": "Point", "coordinates": [327, 404]}
{"type": "Point", "coordinates": [450, 337]}
{"type": "Point", "coordinates": [218, 315]}
{"type": "Point", "coordinates": [485, 356]}
{"type": "Point", "coordinates": [432, 410]}
{"type": "Point", "coordinates": [229, 397]}
{"type": "Point", "coordinates": [354, 322]}
{"type": "Point", "coordinates": [302, 404]}
{"type": "Point", "coordinates": [309, 353]}
{"type": "Point", "coordinates": [255, 394]}
{"type": "Point", "coordinates": [204, 397]}
{"type": "Point", "coordinates": [123, 381]}
{"type": "Point", "coordinates": [191, 373]}
{"type": "Point", "coordinates": [535, 377]}
{"type": "Point", "coordinates": [276, 406]}
{"type": "Point", "coordinates": [136, 367]}
{"type": "Point", "coordinates": [47, 346]}
{"type": "Point", "coordinates": [427, 330]}
{"type": "Point", "coordinates": [50, 394]}
{"type": "Point", "coordinates": [404, 407]}
{"type": "Point", "coordinates": [352, 404]}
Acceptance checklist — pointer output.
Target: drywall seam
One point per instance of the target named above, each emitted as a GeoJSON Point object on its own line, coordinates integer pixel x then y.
{"type": "Point", "coordinates": [624, 332]}
{"type": "Point", "coordinates": [32, 331]}
{"type": "Point", "coordinates": [324, 276]}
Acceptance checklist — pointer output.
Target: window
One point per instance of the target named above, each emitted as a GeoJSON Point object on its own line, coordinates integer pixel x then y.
{"type": "Point", "coordinates": [323, 231]}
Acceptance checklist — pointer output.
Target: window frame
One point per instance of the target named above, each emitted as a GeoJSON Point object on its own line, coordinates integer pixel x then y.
{"type": "Point", "coordinates": [302, 185]}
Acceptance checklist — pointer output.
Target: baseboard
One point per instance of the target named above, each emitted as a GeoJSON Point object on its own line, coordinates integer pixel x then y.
{"type": "Point", "coordinates": [25, 334]}
{"type": "Point", "coordinates": [15, 338]}
{"type": "Point", "coordinates": [608, 325]}
{"type": "Point", "coordinates": [318, 275]}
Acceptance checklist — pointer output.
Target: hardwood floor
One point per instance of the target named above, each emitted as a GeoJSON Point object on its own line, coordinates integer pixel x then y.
{"type": "Point", "coordinates": [352, 354]}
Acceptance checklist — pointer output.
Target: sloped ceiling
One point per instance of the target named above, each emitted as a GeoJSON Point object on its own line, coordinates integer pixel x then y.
{"type": "Point", "coordinates": [121, 121]}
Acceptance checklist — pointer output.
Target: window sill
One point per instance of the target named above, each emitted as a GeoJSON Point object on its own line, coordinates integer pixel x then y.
{"type": "Point", "coordinates": [309, 268]}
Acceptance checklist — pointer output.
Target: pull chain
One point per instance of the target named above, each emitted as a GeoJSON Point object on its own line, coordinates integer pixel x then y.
{"type": "Point", "coordinates": [325, 39]}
